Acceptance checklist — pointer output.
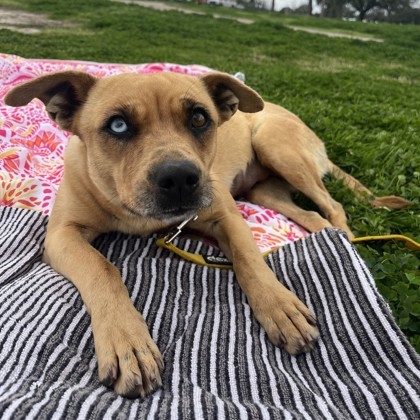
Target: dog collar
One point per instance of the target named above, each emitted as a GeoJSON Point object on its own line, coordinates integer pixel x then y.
{"type": "Point", "coordinates": [207, 260]}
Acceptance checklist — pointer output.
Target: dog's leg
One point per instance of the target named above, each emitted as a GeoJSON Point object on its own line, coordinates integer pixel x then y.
{"type": "Point", "coordinates": [300, 168]}
{"type": "Point", "coordinates": [275, 194]}
{"type": "Point", "coordinates": [312, 186]}
{"type": "Point", "coordinates": [128, 358]}
{"type": "Point", "coordinates": [287, 321]}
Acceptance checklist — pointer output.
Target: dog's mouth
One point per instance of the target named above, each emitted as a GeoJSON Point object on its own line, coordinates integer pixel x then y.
{"type": "Point", "coordinates": [161, 210]}
{"type": "Point", "coordinates": [175, 215]}
{"type": "Point", "coordinates": [155, 207]}
{"type": "Point", "coordinates": [174, 190]}
{"type": "Point", "coordinates": [181, 211]}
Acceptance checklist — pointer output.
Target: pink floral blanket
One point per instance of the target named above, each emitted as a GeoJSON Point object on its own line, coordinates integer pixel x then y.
{"type": "Point", "coordinates": [32, 146]}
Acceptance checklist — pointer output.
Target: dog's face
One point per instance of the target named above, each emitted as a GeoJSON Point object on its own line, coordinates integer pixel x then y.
{"type": "Point", "coordinates": [149, 140]}
{"type": "Point", "coordinates": [150, 143]}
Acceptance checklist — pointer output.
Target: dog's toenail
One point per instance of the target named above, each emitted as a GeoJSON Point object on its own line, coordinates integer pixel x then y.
{"type": "Point", "coordinates": [311, 320]}
{"type": "Point", "coordinates": [160, 364]}
{"type": "Point", "coordinates": [114, 372]}
{"type": "Point", "coordinates": [281, 341]}
{"type": "Point", "coordinates": [138, 380]}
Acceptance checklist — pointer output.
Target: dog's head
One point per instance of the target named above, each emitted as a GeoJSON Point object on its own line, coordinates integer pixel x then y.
{"type": "Point", "coordinates": [150, 140]}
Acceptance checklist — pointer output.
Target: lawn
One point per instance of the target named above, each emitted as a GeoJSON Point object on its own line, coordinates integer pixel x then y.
{"type": "Point", "coordinates": [361, 98]}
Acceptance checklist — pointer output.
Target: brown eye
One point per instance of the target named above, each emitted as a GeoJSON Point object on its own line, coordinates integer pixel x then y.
{"type": "Point", "coordinates": [198, 119]}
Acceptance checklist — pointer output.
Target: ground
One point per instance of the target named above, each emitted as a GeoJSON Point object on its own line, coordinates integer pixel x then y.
{"type": "Point", "coordinates": [31, 23]}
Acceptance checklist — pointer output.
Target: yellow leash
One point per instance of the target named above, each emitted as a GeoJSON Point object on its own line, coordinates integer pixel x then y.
{"type": "Point", "coordinates": [207, 260]}
{"type": "Point", "coordinates": [222, 262]}
{"type": "Point", "coordinates": [408, 242]}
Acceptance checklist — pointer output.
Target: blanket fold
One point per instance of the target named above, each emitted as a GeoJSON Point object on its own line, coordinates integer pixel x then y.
{"type": "Point", "coordinates": [219, 362]}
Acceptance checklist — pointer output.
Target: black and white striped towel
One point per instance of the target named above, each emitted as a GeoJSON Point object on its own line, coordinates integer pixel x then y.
{"type": "Point", "coordinates": [219, 363]}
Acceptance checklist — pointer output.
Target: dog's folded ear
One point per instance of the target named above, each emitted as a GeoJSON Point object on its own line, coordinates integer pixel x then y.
{"type": "Point", "coordinates": [62, 93]}
{"type": "Point", "coordinates": [230, 94]}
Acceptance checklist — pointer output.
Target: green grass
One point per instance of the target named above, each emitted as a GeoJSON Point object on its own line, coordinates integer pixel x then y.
{"type": "Point", "coordinates": [361, 98]}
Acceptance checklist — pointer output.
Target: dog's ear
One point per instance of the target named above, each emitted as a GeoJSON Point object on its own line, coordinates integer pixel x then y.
{"type": "Point", "coordinates": [62, 93]}
{"type": "Point", "coordinates": [230, 94]}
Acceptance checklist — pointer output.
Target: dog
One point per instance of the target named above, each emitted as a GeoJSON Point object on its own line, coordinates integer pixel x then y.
{"type": "Point", "coordinates": [150, 151]}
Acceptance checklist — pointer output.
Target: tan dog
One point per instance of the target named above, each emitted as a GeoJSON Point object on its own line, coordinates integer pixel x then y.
{"type": "Point", "coordinates": [150, 151]}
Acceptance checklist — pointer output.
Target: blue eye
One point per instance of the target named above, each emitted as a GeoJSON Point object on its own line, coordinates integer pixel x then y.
{"type": "Point", "coordinates": [118, 125]}
{"type": "Point", "coordinates": [120, 128]}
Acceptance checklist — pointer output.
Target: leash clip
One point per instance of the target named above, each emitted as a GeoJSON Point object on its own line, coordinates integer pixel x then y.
{"type": "Point", "coordinates": [177, 231]}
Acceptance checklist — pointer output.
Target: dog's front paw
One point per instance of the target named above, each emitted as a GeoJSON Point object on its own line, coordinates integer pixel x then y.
{"type": "Point", "coordinates": [128, 358]}
{"type": "Point", "coordinates": [288, 323]}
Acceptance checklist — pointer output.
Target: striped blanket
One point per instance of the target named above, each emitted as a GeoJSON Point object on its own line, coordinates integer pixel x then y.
{"type": "Point", "coordinates": [219, 363]}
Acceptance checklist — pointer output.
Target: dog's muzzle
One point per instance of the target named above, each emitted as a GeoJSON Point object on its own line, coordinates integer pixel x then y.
{"type": "Point", "coordinates": [178, 189]}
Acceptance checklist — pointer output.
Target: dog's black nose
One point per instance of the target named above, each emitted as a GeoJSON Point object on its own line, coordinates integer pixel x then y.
{"type": "Point", "coordinates": [176, 179]}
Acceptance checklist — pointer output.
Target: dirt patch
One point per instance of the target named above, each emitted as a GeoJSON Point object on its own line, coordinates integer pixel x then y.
{"type": "Point", "coordinates": [165, 7]}
{"type": "Point", "coordinates": [261, 58]}
{"type": "Point", "coordinates": [400, 79]}
{"type": "Point", "coordinates": [334, 34]}
{"type": "Point", "coordinates": [28, 23]}
{"type": "Point", "coordinates": [330, 65]}
{"type": "Point", "coordinates": [240, 20]}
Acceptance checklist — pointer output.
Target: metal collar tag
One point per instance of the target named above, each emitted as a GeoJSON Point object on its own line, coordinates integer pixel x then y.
{"type": "Point", "coordinates": [176, 231]}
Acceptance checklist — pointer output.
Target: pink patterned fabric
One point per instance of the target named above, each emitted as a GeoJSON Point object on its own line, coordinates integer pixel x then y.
{"type": "Point", "coordinates": [32, 146]}
{"type": "Point", "coordinates": [271, 230]}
